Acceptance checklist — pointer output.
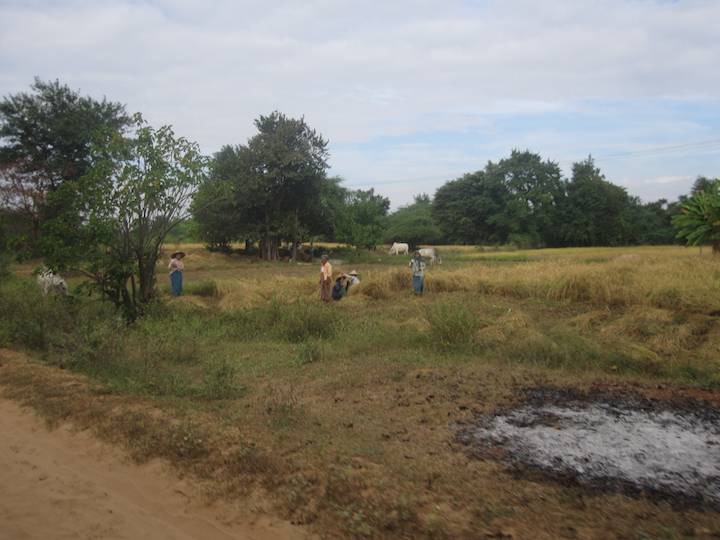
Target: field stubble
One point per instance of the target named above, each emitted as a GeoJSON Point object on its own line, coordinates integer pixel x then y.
{"type": "Point", "coordinates": [344, 412]}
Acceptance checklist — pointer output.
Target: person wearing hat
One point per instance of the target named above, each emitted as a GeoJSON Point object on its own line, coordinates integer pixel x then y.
{"type": "Point", "coordinates": [351, 279]}
{"type": "Point", "coordinates": [325, 279]}
{"type": "Point", "coordinates": [176, 268]}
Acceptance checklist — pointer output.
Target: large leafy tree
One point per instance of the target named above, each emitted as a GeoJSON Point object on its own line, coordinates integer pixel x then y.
{"type": "Point", "coordinates": [595, 211]}
{"type": "Point", "coordinates": [137, 189]}
{"type": "Point", "coordinates": [277, 179]}
{"type": "Point", "coordinates": [516, 200]}
{"type": "Point", "coordinates": [414, 224]}
{"type": "Point", "coordinates": [46, 137]}
{"type": "Point", "coordinates": [534, 191]}
{"type": "Point", "coordinates": [213, 206]}
{"type": "Point", "coordinates": [363, 219]}
{"type": "Point", "coordinates": [698, 222]}
{"type": "Point", "coordinates": [282, 171]}
{"type": "Point", "coordinates": [470, 209]}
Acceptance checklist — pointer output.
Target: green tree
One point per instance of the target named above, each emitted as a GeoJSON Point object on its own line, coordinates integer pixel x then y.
{"type": "Point", "coordinates": [514, 200]}
{"type": "Point", "coordinates": [278, 177]}
{"type": "Point", "coordinates": [699, 219]}
{"type": "Point", "coordinates": [414, 224]}
{"type": "Point", "coordinates": [702, 183]}
{"type": "Point", "coordinates": [214, 206]}
{"type": "Point", "coordinates": [137, 189]}
{"type": "Point", "coordinates": [595, 211]}
{"type": "Point", "coordinates": [363, 220]}
{"type": "Point", "coordinates": [46, 137]}
{"type": "Point", "coordinates": [535, 190]}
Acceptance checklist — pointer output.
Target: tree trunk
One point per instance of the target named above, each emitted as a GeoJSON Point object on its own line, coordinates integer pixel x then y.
{"type": "Point", "coordinates": [716, 247]}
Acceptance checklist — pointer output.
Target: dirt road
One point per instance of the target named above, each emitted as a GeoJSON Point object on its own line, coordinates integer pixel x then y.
{"type": "Point", "coordinates": [61, 485]}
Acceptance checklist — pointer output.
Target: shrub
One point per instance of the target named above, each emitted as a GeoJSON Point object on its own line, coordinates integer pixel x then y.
{"type": "Point", "coordinates": [301, 321]}
{"type": "Point", "coordinates": [309, 352]}
{"type": "Point", "coordinates": [206, 287]}
{"type": "Point", "coordinates": [452, 324]}
{"type": "Point", "coordinates": [5, 260]}
{"type": "Point", "coordinates": [31, 319]}
{"type": "Point", "coordinates": [219, 381]}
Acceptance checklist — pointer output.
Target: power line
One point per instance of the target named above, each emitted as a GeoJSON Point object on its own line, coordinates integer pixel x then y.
{"type": "Point", "coordinates": [700, 145]}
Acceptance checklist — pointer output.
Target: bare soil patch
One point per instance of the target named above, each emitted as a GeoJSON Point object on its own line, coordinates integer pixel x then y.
{"type": "Point", "coordinates": [66, 484]}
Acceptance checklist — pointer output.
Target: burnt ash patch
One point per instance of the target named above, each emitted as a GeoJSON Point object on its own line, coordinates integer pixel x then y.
{"type": "Point", "coordinates": [606, 440]}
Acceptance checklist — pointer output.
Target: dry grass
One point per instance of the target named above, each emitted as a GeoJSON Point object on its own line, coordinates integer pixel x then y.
{"type": "Point", "coordinates": [350, 429]}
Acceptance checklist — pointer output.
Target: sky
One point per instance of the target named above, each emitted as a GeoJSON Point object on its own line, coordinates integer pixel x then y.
{"type": "Point", "coordinates": [409, 93]}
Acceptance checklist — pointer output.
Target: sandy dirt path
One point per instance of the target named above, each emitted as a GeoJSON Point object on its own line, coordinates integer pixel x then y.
{"type": "Point", "coordinates": [61, 484]}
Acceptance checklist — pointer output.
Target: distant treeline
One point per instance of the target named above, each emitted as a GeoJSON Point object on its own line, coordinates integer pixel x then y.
{"type": "Point", "coordinates": [58, 147]}
{"type": "Point", "coordinates": [521, 200]}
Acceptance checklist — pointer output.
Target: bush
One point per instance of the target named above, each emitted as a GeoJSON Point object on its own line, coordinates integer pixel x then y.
{"type": "Point", "coordinates": [219, 381]}
{"type": "Point", "coordinates": [309, 352]}
{"type": "Point", "coordinates": [5, 260]}
{"type": "Point", "coordinates": [206, 287]}
{"type": "Point", "coordinates": [452, 324]}
{"type": "Point", "coordinates": [302, 321]}
{"type": "Point", "coordinates": [31, 319]}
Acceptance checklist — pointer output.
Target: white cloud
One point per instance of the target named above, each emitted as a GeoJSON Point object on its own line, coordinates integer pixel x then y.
{"type": "Point", "coordinates": [359, 71]}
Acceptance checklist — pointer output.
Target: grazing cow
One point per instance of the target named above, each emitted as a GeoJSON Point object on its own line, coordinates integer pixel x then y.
{"type": "Point", "coordinates": [399, 249]}
{"type": "Point", "coordinates": [432, 254]}
{"type": "Point", "coordinates": [49, 281]}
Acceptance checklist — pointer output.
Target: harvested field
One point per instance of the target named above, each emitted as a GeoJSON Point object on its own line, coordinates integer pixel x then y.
{"type": "Point", "coordinates": [345, 416]}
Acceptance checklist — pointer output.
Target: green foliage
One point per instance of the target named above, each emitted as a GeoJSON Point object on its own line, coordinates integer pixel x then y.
{"type": "Point", "coordinates": [302, 321]}
{"type": "Point", "coordinates": [186, 231]}
{"type": "Point", "coordinates": [309, 351]}
{"type": "Point", "coordinates": [219, 381]}
{"type": "Point", "coordinates": [593, 212]}
{"type": "Point", "coordinates": [517, 196]}
{"type": "Point", "coordinates": [268, 189]}
{"type": "Point", "coordinates": [205, 287]}
{"type": "Point", "coordinates": [414, 224]}
{"type": "Point", "coordinates": [118, 215]}
{"type": "Point", "coordinates": [46, 137]}
{"type": "Point", "coordinates": [699, 219]}
{"type": "Point", "coordinates": [452, 324]}
{"type": "Point", "coordinates": [363, 220]}
{"type": "Point", "coordinates": [214, 207]}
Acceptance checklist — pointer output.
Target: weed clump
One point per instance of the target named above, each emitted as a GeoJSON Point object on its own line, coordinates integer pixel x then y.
{"type": "Point", "coordinates": [452, 324]}
{"type": "Point", "coordinates": [309, 352]}
{"type": "Point", "coordinates": [219, 381]}
{"type": "Point", "coordinates": [206, 287]}
{"type": "Point", "coordinates": [301, 321]}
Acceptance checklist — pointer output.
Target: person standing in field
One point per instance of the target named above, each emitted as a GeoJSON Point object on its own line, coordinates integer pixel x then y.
{"type": "Point", "coordinates": [325, 279]}
{"type": "Point", "coordinates": [176, 268]}
{"type": "Point", "coordinates": [417, 266]}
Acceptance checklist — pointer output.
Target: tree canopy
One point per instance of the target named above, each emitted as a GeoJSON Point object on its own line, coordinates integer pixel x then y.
{"type": "Point", "coordinates": [414, 224]}
{"type": "Point", "coordinates": [46, 139]}
{"type": "Point", "coordinates": [118, 214]}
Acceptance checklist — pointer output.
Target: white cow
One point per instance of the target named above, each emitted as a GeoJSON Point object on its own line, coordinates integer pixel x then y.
{"type": "Point", "coordinates": [432, 254]}
{"type": "Point", "coordinates": [49, 281]}
{"type": "Point", "coordinates": [399, 249]}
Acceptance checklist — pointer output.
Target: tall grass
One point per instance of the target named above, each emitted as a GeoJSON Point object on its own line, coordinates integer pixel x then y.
{"type": "Point", "coordinates": [452, 324]}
